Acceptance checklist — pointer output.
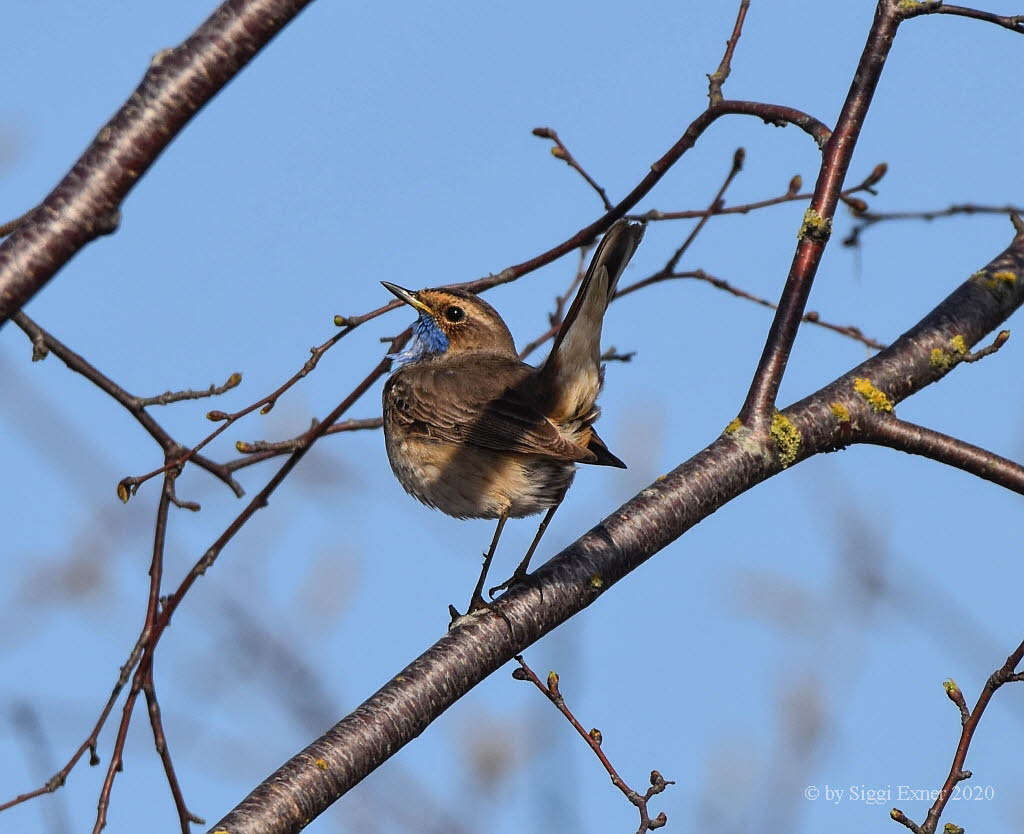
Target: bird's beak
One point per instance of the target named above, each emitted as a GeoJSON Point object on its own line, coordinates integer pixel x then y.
{"type": "Point", "coordinates": [407, 296]}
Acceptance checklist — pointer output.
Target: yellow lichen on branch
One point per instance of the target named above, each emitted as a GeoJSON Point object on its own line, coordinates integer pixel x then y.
{"type": "Point", "coordinates": [874, 396]}
{"type": "Point", "coordinates": [787, 439]}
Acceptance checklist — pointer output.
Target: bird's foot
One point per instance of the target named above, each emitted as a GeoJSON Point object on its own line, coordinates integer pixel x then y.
{"type": "Point", "coordinates": [477, 603]}
{"type": "Point", "coordinates": [520, 577]}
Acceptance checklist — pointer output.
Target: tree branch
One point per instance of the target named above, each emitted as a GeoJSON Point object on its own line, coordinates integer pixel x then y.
{"type": "Point", "coordinates": [594, 740]}
{"type": "Point", "coordinates": [817, 226]}
{"type": "Point", "coordinates": [560, 151]}
{"type": "Point", "coordinates": [179, 82]}
{"type": "Point", "coordinates": [737, 165]}
{"type": "Point", "coordinates": [718, 78]}
{"type": "Point", "coordinates": [866, 219]}
{"type": "Point", "coordinates": [792, 194]}
{"type": "Point", "coordinates": [884, 429]}
{"type": "Point", "coordinates": [261, 450]}
{"type": "Point", "coordinates": [1015, 23]}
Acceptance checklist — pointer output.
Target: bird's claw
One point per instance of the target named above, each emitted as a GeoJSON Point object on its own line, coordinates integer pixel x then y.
{"type": "Point", "coordinates": [517, 578]}
{"type": "Point", "coordinates": [477, 603]}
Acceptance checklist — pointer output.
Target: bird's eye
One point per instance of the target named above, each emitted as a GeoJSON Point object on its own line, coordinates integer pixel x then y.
{"type": "Point", "coordinates": [454, 313]}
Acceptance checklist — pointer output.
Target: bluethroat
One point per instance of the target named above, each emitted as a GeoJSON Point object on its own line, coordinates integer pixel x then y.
{"type": "Point", "coordinates": [475, 432]}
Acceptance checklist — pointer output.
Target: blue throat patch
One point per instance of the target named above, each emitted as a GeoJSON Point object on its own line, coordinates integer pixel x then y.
{"type": "Point", "coordinates": [427, 340]}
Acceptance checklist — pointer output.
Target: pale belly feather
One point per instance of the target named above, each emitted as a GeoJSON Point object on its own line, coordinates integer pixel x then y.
{"type": "Point", "coordinates": [466, 481]}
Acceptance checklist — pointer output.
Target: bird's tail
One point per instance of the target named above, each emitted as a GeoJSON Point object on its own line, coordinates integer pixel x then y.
{"type": "Point", "coordinates": [571, 376]}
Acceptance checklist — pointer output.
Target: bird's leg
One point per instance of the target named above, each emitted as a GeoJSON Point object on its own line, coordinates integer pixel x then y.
{"type": "Point", "coordinates": [520, 572]}
{"type": "Point", "coordinates": [476, 602]}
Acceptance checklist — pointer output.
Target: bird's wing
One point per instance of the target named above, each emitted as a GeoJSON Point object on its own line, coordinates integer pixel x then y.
{"type": "Point", "coordinates": [488, 403]}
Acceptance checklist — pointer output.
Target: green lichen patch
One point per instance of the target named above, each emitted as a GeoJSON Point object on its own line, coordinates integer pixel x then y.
{"type": "Point", "coordinates": [734, 426]}
{"type": "Point", "coordinates": [840, 412]}
{"type": "Point", "coordinates": [815, 227]}
{"type": "Point", "coordinates": [787, 439]}
{"type": "Point", "coordinates": [875, 397]}
{"type": "Point", "coordinates": [943, 360]}
{"type": "Point", "coordinates": [1001, 279]}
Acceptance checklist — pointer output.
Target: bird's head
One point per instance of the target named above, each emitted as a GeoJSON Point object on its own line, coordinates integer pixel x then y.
{"type": "Point", "coordinates": [452, 322]}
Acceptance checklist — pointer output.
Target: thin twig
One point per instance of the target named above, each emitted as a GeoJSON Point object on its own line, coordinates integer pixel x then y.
{"type": "Point", "coordinates": [866, 219]}
{"type": "Point", "coordinates": [148, 686]}
{"type": "Point", "coordinates": [719, 76]}
{"type": "Point", "coordinates": [560, 151]}
{"type": "Point", "coordinates": [792, 194]}
{"type": "Point", "coordinates": [1005, 674]}
{"type": "Point", "coordinates": [1015, 23]}
{"type": "Point", "coordinates": [60, 777]}
{"type": "Point", "coordinates": [261, 450]}
{"type": "Point", "coordinates": [130, 485]}
{"type": "Point", "coordinates": [146, 638]}
{"type": "Point", "coordinates": [811, 317]}
{"type": "Point", "coordinates": [169, 397]}
{"type": "Point", "coordinates": [185, 817]}
{"type": "Point", "coordinates": [594, 739]}
{"type": "Point", "coordinates": [543, 338]}
{"type": "Point", "coordinates": [997, 343]}
{"type": "Point", "coordinates": [117, 756]}
{"type": "Point", "coordinates": [29, 729]}
{"type": "Point", "coordinates": [737, 165]}
{"type": "Point", "coordinates": [881, 428]}
{"type": "Point", "coordinates": [47, 342]}
{"type": "Point", "coordinates": [11, 225]}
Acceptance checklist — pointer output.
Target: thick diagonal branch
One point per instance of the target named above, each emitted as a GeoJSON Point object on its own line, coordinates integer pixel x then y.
{"type": "Point", "coordinates": [179, 82]}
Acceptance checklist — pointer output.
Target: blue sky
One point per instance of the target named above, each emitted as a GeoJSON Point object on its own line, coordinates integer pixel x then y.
{"type": "Point", "coordinates": [373, 142]}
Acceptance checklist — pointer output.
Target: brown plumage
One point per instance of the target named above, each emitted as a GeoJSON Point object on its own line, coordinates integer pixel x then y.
{"type": "Point", "coordinates": [475, 432]}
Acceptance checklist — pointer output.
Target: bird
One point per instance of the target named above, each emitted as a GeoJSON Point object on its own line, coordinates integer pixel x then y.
{"type": "Point", "coordinates": [472, 430]}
